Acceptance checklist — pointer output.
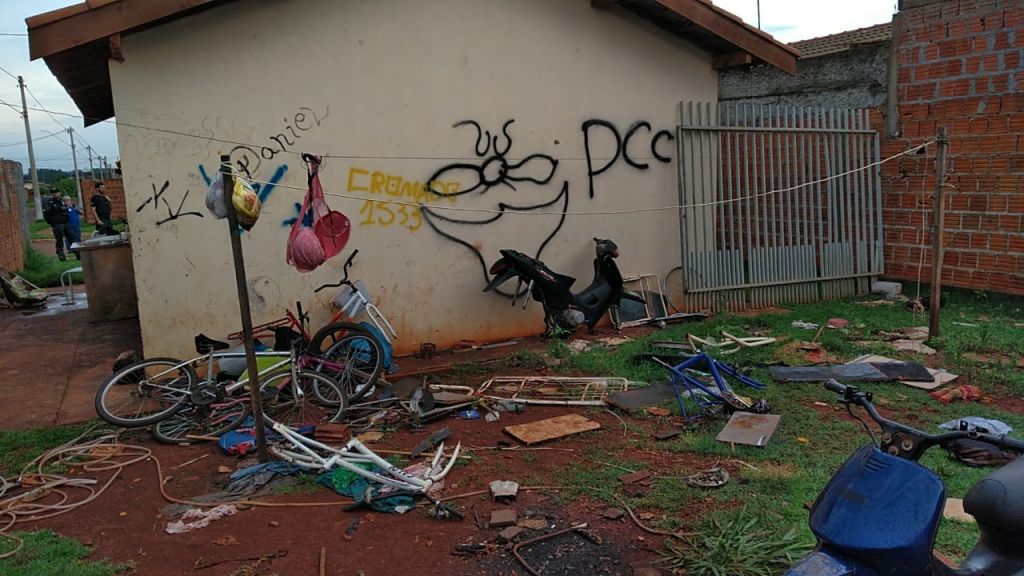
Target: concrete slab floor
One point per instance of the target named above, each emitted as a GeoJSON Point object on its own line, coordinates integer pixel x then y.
{"type": "Point", "coordinates": [53, 360]}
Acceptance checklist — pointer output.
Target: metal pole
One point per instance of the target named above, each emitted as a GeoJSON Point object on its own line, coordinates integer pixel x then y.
{"type": "Point", "coordinates": [74, 163]}
{"type": "Point", "coordinates": [92, 173]}
{"type": "Point", "coordinates": [939, 227]}
{"type": "Point", "coordinates": [31, 153]}
{"type": "Point", "coordinates": [243, 309]}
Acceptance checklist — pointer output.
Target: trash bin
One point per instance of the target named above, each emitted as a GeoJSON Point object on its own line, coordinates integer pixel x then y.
{"type": "Point", "coordinates": [109, 279]}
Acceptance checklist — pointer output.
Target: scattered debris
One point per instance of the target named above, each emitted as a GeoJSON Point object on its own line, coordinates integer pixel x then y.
{"type": "Point", "coordinates": [939, 377]}
{"type": "Point", "coordinates": [984, 425]}
{"type": "Point", "coordinates": [551, 428]}
{"type": "Point", "coordinates": [914, 346]}
{"type": "Point", "coordinates": [613, 513]}
{"type": "Point", "coordinates": [370, 437]}
{"type": "Point", "coordinates": [890, 290]}
{"type": "Point", "coordinates": [550, 390]}
{"type": "Point", "coordinates": [224, 469]}
{"type": "Point", "coordinates": [702, 393]}
{"type": "Point", "coordinates": [804, 325]}
{"type": "Point", "coordinates": [533, 523]}
{"type": "Point", "coordinates": [641, 398]}
{"type": "Point", "coordinates": [838, 322]}
{"type": "Point", "coordinates": [915, 332]}
{"type": "Point", "coordinates": [749, 429]}
{"type": "Point", "coordinates": [502, 517]}
{"type": "Point", "coordinates": [430, 442]}
{"type": "Point", "coordinates": [473, 549]}
{"type": "Point", "coordinates": [504, 489]}
{"type": "Point", "coordinates": [711, 478]}
{"type": "Point", "coordinates": [331, 432]}
{"type": "Point", "coordinates": [226, 541]}
{"type": "Point", "coordinates": [471, 414]}
{"type": "Point", "coordinates": [510, 534]}
{"type": "Point", "coordinates": [658, 411]}
{"type": "Point", "coordinates": [196, 518]}
{"type": "Point", "coordinates": [962, 393]}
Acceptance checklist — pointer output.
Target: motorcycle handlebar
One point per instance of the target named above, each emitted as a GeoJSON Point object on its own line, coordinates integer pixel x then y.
{"type": "Point", "coordinates": [854, 395]}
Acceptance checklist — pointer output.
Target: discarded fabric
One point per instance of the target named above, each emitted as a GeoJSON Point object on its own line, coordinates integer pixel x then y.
{"type": "Point", "coordinates": [199, 518]}
{"type": "Point", "coordinates": [971, 423]}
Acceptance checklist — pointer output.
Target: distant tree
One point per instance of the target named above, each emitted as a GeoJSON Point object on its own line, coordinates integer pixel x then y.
{"type": "Point", "coordinates": [67, 186]}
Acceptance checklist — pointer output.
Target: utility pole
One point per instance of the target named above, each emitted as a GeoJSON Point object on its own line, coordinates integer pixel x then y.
{"type": "Point", "coordinates": [939, 228]}
{"type": "Point", "coordinates": [74, 163]}
{"type": "Point", "coordinates": [92, 173]}
{"type": "Point", "coordinates": [31, 153]}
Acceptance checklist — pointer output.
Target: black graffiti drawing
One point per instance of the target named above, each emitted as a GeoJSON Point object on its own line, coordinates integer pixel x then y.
{"type": "Point", "coordinates": [621, 145]}
{"type": "Point", "coordinates": [172, 214]}
{"type": "Point", "coordinates": [436, 221]}
{"type": "Point", "coordinates": [494, 170]}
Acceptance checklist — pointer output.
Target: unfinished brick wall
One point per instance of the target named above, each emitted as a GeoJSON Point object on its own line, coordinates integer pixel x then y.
{"type": "Point", "coordinates": [959, 64]}
{"type": "Point", "coordinates": [114, 189]}
{"type": "Point", "coordinates": [12, 239]}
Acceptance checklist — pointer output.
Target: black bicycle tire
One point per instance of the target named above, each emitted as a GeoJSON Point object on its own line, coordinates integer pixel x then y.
{"type": "Point", "coordinates": [170, 440]}
{"type": "Point", "coordinates": [317, 341]}
{"type": "Point", "coordinates": [372, 375]}
{"type": "Point", "coordinates": [326, 380]}
{"type": "Point", "coordinates": [113, 420]}
{"type": "Point", "coordinates": [677, 282]}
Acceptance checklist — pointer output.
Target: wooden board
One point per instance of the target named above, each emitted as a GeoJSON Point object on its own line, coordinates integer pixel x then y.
{"type": "Point", "coordinates": [551, 428]}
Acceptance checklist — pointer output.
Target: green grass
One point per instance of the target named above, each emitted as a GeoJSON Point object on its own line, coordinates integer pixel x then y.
{"type": "Point", "coordinates": [300, 484]}
{"type": "Point", "coordinates": [48, 554]}
{"type": "Point", "coordinates": [19, 447]}
{"type": "Point", "coordinates": [44, 270]}
{"type": "Point", "coordinates": [40, 230]}
{"type": "Point", "coordinates": [791, 472]}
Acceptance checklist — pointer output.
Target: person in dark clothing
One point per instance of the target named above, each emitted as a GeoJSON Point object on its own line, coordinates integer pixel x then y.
{"type": "Point", "coordinates": [101, 209]}
{"type": "Point", "coordinates": [56, 215]}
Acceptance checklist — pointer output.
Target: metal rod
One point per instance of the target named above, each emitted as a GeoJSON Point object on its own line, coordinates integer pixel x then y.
{"type": "Point", "coordinates": [820, 149]}
{"type": "Point", "coordinates": [751, 273]}
{"type": "Point", "coordinates": [763, 233]}
{"type": "Point", "coordinates": [243, 308]}
{"type": "Point", "coordinates": [773, 202]}
{"type": "Point", "coordinates": [684, 224]}
{"type": "Point", "coordinates": [939, 226]}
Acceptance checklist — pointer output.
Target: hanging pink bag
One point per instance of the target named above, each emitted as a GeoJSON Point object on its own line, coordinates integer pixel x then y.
{"type": "Point", "coordinates": [310, 246]}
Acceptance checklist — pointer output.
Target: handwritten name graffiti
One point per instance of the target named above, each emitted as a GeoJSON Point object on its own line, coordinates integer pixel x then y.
{"type": "Point", "coordinates": [592, 130]}
{"type": "Point", "coordinates": [384, 213]}
{"type": "Point", "coordinates": [172, 213]}
{"type": "Point", "coordinates": [492, 184]}
{"type": "Point", "coordinates": [248, 159]}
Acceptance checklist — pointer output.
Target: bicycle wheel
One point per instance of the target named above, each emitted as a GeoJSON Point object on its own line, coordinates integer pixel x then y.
{"type": "Point", "coordinates": [673, 289]}
{"type": "Point", "coordinates": [355, 362]}
{"type": "Point", "coordinates": [210, 420]}
{"type": "Point", "coordinates": [145, 392]}
{"type": "Point", "coordinates": [294, 401]}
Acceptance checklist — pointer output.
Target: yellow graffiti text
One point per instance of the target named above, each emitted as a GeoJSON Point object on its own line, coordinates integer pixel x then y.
{"type": "Point", "coordinates": [389, 213]}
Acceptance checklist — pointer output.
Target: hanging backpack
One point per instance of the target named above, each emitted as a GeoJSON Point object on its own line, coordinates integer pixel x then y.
{"type": "Point", "coordinates": [319, 232]}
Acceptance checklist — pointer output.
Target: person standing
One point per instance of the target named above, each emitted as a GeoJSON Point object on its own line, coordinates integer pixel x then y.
{"type": "Point", "coordinates": [101, 209]}
{"type": "Point", "coordinates": [56, 215]}
{"type": "Point", "coordinates": [74, 225]}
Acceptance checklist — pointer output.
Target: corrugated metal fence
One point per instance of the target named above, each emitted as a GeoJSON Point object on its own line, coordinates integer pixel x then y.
{"type": "Point", "coordinates": [777, 205]}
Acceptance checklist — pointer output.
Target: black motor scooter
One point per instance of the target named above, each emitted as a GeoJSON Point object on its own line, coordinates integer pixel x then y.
{"type": "Point", "coordinates": [563, 310]}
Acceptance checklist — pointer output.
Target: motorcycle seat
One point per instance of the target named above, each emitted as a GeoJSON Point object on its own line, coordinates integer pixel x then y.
{"type": "Point", "coordinates": [205, 344]}
{"type": "Point", "coordinates": [997, 501]}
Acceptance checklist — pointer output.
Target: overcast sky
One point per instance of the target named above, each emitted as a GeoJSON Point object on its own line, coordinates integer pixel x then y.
{"type": "Point", "coordinates": [788, 20]}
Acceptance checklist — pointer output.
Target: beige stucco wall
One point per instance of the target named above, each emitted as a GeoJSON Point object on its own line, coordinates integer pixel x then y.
{"type": "Point", "coordinates": [382, 83]}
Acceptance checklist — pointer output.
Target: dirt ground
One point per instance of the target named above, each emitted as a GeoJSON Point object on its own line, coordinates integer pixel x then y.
{"type": "Point", "coordinates": [126, 525]}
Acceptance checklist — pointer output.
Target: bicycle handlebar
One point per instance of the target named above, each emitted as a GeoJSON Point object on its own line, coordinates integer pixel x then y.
{"type": "Point", "coordinates": [854, 395]}
{"type": "Point", "coordinates": [344, 280]}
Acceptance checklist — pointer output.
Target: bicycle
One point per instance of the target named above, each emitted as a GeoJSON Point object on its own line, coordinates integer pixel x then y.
{"type": "Point", "coordinates": [306, 454]}
{"type": "Point", "coordinates": [169, 395]}
{"type": "Point", "coordinates": [352, 301]}
{"type": "Point", "coordinates": [357, 350]}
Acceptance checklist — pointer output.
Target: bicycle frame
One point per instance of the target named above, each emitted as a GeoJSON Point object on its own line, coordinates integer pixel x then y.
{"type": "Point", "coordinates": [356, 452]}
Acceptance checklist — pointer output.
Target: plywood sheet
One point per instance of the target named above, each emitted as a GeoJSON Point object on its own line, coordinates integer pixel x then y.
{"type": "Point", "coordinates": [551, 428]}
{"type": "Point", "coordinates": [750, 429]}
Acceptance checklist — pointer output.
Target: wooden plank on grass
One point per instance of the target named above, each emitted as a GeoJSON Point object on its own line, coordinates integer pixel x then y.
{"type": "Point", "coordinates": [551, 428]}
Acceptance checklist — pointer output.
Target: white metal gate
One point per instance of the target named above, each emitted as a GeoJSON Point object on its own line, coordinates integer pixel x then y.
{"type": "Point", "coordinates": [779, 204]}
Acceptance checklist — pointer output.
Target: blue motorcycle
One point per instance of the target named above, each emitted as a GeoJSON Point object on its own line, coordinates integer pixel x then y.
{"type": "Point", "coordinates": [879, 513]}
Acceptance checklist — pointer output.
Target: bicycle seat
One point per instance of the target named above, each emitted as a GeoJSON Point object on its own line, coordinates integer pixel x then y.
{"type": "Point", "coordinates": [997, 503]}
{"type": "Point", "coordinates": [205, 344]}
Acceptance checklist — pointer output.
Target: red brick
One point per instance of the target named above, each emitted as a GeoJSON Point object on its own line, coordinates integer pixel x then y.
{"type": "Point", "coordinates": [1010, 223]}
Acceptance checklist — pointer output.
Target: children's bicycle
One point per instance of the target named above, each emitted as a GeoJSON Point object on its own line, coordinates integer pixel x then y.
{"type": "Point", "coordinates": [351, 301]}
{"type": "Point", "coordinates": [169, 394]}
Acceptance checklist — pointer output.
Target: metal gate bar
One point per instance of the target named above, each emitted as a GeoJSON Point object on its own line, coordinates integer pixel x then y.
{"type": "Point", "coordinates": [758, 226]}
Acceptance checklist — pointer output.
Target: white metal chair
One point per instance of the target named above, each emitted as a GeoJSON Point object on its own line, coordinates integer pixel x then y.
{"type": "Point", "coordinates": [69, 286]}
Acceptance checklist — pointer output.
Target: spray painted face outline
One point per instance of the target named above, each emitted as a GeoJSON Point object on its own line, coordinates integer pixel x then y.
{"type": "Point", "coordinates": [495, 171]}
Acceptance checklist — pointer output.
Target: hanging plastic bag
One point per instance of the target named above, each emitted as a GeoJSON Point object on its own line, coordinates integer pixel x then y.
{"type": "Point", "coordinates": [319, 232]}
{"type": "Point", "coordinates": [246, 202]}
{"type": "Point", "coordinates": [243, 196]}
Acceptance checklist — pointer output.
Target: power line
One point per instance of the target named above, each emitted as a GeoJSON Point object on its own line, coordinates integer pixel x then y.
{"type": "Point", "coordinates": [49, 135]}
{"type": "Point", "coordinates": [13, 34]}
{"type": "Point", "coordinates": [8, 73]}
{"type": "Point", "coordinates": [12, 107]}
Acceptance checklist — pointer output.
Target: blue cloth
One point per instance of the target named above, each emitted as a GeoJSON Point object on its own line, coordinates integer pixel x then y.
{"type": "Point", "coordinates": [74, 219]}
